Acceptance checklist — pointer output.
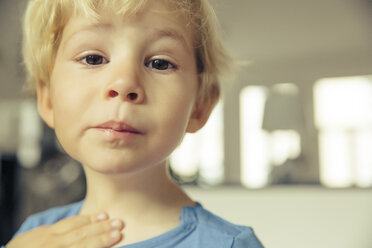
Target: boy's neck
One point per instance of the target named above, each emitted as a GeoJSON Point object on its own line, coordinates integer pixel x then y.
{"type": "Point", "coordinates": [135, 196]}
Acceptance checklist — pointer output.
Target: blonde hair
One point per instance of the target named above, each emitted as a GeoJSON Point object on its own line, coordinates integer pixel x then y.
{"type": "Point", "coordinates": [45, 20]}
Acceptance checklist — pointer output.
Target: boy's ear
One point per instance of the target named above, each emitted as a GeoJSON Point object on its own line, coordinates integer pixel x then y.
{"type": "Point", "coordinates": [201, 115]}
{"type": "Point", "coordinates": [44, 103]}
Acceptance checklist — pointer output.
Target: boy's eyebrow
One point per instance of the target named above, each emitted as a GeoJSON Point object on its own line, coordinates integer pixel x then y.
{"type": "Point", "coordinates": [89, 28]}
{"type": "Point", "coordinates": [158, 34]}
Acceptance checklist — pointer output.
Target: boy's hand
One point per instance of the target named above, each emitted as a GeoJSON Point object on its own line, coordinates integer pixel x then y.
{"type": "Point", "coordinates": [77, 231]}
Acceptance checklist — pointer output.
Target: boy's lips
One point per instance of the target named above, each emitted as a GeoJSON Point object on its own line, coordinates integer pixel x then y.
{"type": "Point", "coordinates": [118, 127]}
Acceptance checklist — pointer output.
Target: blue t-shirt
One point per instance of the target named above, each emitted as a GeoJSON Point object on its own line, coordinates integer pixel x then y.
{"type": "Point", "coordinates": [198, 228]}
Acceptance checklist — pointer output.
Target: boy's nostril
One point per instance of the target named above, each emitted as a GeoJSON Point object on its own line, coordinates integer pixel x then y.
{"type": "Point", "coordinates": [132, 96]}
{"type": "Point", "coordinates": [113, 93]}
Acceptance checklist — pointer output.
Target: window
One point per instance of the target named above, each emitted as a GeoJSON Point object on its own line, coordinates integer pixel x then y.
{"type": "Point", "coordinates": [270, 118]}
{"type": "Point", "coordinates": [343, 116]}
{"type": "Point", "coordinates": [200, 157]}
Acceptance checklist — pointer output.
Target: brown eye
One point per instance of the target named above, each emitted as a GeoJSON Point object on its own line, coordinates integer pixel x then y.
{"type": "Point", "coordinates": [160, 64]}
{"type": "Point", "coordinates": [93, 60]}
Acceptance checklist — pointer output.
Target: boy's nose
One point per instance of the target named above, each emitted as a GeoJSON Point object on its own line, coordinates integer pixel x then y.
{"type": "Point", "coordinates": [126, 87]}
{"type": "Point", "coordinates": [134, 95]}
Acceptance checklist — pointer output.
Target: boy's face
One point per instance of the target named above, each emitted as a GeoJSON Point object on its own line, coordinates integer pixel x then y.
{"type": "Point", "coordinates": [122, 92]}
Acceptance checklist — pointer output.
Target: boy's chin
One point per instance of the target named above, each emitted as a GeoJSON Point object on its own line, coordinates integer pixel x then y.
{"type": "Point", "coordinates": [116, 169]}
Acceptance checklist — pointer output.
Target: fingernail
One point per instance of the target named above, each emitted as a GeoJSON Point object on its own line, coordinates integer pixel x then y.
{"type": "Point", "coordinates": [116, 224]}
{"type": "Point", "coordinates": [101, 216]}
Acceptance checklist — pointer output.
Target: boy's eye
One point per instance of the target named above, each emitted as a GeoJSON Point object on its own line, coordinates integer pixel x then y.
{"type": "Point", "coordinates": [160, 64]}
{"type": "Point", "coordinates": [93, 60]}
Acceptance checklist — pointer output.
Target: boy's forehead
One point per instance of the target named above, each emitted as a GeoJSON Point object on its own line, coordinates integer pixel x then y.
{"type": "Point", "coordinates": [116, 12]}
{"type": "Point", "coordinates": [169, 23]}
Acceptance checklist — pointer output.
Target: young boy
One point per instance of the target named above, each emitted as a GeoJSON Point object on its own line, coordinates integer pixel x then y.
{"type": "Point", "coordinates": [121, 82]}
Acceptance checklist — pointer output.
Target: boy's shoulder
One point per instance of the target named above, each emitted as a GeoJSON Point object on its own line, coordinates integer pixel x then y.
{"type": "Point", "coordinates": [214, 222]}
{"type": "Point", "coordinates": [50, 216]}
{"type": "Point", "coordinates": [219, 229]}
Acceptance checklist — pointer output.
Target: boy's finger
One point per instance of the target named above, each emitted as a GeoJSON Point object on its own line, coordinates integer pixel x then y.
{"type": "Point", "coordinates": [71, 223]}
{"type": "Point", "coordinates": [99, 230]}
{"type": "Point", "coordinates": [100, 241]}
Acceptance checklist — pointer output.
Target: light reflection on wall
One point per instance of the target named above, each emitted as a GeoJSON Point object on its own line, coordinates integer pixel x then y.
{"type": "Point", "coordinates": [254, 158]}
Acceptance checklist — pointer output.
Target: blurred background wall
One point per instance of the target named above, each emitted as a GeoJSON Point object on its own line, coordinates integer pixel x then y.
{"type": "Point", "coordinates": [287, 151]}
